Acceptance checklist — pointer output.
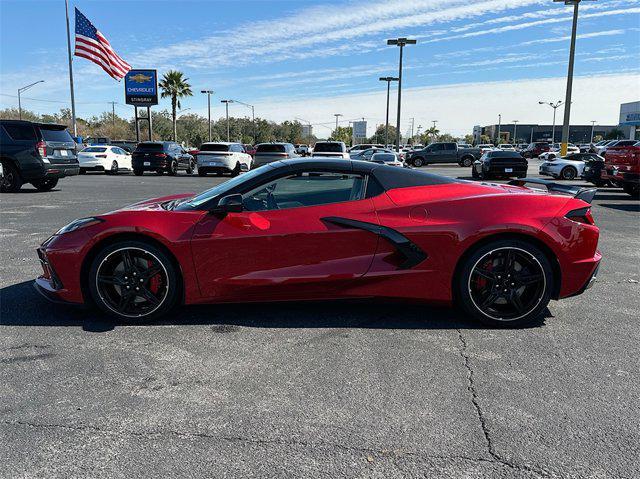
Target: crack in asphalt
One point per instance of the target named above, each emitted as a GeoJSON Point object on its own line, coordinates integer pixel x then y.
{"type": "Point", "coordinates": [369, 453]}
{"type": "Point", "coordinates": [483, 422]}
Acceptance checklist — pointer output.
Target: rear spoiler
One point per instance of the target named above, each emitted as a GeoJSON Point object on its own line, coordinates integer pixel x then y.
{"type": "Point", "coordinates": [578, 192]}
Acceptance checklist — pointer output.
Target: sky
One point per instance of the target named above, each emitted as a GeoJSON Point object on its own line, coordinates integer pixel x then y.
{"type": "Point", "coordinates": [474, 59]}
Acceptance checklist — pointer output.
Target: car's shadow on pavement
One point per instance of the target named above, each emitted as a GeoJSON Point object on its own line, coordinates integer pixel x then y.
{"type": "Point", "coordinates": [21, 305]}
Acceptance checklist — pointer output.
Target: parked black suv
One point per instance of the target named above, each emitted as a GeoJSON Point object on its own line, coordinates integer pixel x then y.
{"type": "Point", "coordinates": [36, 153]}
{"type": "Point", "coordinates": [500, 164]}
{"type": "Point", "coordinates": [161, 156]}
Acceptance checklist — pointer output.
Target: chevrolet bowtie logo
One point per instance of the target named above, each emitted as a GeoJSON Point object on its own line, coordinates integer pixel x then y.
{"type": "Point", "coordinates": [139, 78]}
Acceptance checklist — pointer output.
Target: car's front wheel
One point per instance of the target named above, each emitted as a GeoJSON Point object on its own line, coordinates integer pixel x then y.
{"type": "Point", "coordinates": [466, 161]}
{"type": "Point", "coordinates": [417, 162]}
{"type": "Point", "coordinates": [133, 280]}
{"type": "Point", "coordinates": [568, 173]}
{"type": "Point", "coordinates": [114, 168]}
{"type": "Point", "coordinates": [173, 168]}
{"type": "Point", "coordinates": [632, 189]}
{"type": "Point", "coordinates": [10, 180]}
{"type": "Point", "coordinates": [506, 283]}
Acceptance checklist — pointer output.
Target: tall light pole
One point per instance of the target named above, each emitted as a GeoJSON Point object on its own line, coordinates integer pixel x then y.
{"type": "Point", "coordinates": [593, 125]}
{"type": "Point", "coordinates": [400, 42]}
{"type": "Point", "coordinates": [386, 123]}
{"type": "Point", "coordinates": [555, 107]}
{"type": "Point", "coordinates": [413, 122]}
{"type": "Point", "coordinates": [226, 102]}
{"type": "Point", "coordinates": [434, 123]}
{"type": "Point", "coordinates": [567, 98]}
{"type": "Point", "coordinates": [20, 90]}
{"type": "Point", "coordinates": [337, 115]}
{"type": "Point", "coordinates": [208, 93]}
{"type": "Point", "coordinates": [515, 130]}
{"type": "Point", "coordinates": [499, 127]}
{"type": "Point", "coordinates": [253, 116]}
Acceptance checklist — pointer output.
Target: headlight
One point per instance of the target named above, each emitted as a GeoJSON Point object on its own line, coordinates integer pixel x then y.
{"type": "Point", "coordinates": [78, 224]}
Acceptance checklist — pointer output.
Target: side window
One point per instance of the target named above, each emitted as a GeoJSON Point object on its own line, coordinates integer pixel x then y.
{"type": "Point", "coordinates": [307, 188]}
{"type": "Point", "coordinates": [21, 132]}
{"type": "Point", "coordinates": [450, 146]}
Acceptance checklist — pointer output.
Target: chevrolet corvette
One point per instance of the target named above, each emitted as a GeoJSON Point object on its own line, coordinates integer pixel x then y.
{"type": "Point", "coordinates": [313, 229]}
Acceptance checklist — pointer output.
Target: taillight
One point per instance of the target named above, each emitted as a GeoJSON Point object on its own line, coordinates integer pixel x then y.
{"type": "Point", "coordinates": [161, 155]}
{"type": "Point", "coordinates": [581, 215]}
{"type": "Point", "coordinates": [41, 149]}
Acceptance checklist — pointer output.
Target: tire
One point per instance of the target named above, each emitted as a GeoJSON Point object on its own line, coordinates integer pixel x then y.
{"type": "Point", "coordinates": [45, 185]}
{"type": "Point", "coordinates": [114, 168]}
{"type": "Point", "coordinates": [138, 172]}
{"type": "Point", "coordinates": [173, 168]}
{"type": "Point", "coordinates": [202, 173]}
{"type": "Point", "coordinates": [417, 162]}
{"type": "Point", "coordinates": [482, 176]}
{"type": "Point", "coordinates": [193, 167]}
{"type": "Point", "coordinates": [83, 171]}
{"type": "Point", "coordinates": [514, 300]}
{"type": "Point", "coordinates": [236, 170]}
{"type": "Point", "coordinates": [474, 173]}
{"type": "Point", "coordinates": [11, 181]}
{"type": "Point", "coordinates": [108, 277]}
{"type": "Point", "coordinates": [632, 189]}
{"type": "Point", "coordinates": [466, 161]}
{"type": "Point", "coordinates": [568, 173]}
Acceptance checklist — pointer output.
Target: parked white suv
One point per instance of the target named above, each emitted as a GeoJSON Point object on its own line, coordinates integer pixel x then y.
{"type": "Point", "coordinates": [222, 157]}
{"type": "Point", "coordinates": [334, 149]}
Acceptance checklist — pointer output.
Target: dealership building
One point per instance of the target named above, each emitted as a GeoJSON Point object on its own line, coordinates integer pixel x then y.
{"type": "Point", "coordinates": [630, 120]}
{"type": "Point", "coordinates": [527, 133]}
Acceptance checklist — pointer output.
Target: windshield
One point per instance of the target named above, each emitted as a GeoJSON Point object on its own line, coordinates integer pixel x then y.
{"type": "Point", "coordinates": [56, 135]}
{"type": "Point", "coordinates": [222, 188]}
{"type": "Point", "coordinates": [328, 148]}
{"type": "Point", "coordinates": [385, 157]}
{"type": "Point", "coordinates": [270, 148]}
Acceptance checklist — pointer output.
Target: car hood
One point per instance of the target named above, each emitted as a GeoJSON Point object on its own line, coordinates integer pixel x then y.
{"type": "Point", "coordinates": [153, 204]}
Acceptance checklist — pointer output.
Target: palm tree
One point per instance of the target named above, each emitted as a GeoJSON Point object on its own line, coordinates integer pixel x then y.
{"type": "Point", "coordinates": [433, 132]}
{"type": "Point", "coordinates": [175, 86]}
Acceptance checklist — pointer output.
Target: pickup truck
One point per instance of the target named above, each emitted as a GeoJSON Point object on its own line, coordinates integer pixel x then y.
{"type": "Point", "coordinates": [622, 167]}
{"type": "Point", "coordinates": [443, 153]}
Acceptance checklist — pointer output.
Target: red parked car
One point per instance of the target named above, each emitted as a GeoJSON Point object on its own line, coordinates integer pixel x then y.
{"type": "Point", "coordinates": [535, 149]}
{"type": "Point", "coordinates": [622, 167]}
{"type": "Point", "coordinates": [329, 229]}
{"type": "Point", "coordinates": [250, 149]}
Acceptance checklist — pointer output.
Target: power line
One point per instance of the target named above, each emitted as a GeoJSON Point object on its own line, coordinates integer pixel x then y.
{"type": "Point", "coordinates": [62, 102]}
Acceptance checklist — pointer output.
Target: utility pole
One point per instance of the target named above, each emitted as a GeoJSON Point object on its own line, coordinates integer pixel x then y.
{"type": "Point", "coordinates": [515, 130]}
{"type": "Point", "coordinates": [593, 125]}
{"type": "Point", "coordinates": [386, 123]}
{"type": "Point", "coordinates": [337, 115]}
{"type": "Point", "coordinates": [113, 115]}
{"type": "Point", "coordinates": [499, 128]}
{"type": "Point", "coordinates": [226, 102]}
{"type": "Point", "coordinates": [555, 107]}
{"type": "Point", "coordinates": [20, 90]}
{"type": "Point", "coordinates": [413, 121]}
{"type": "Point", "coordinates": [400, 42]}
{"type": "Point", "coordinates": [208, 93]}
{"type": "Point", "coordinates": [572, 54]}
{"type": "Point", "coordinates": [253, 115]}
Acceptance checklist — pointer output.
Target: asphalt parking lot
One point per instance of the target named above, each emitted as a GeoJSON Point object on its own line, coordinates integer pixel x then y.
{"type": "Point", "coordinates": [312, 390]}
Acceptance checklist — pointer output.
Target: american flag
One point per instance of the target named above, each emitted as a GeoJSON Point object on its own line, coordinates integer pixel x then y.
{"type": "Point", "coordinates": [92, 45]}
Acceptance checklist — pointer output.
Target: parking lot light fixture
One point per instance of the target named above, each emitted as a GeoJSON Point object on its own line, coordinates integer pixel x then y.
{"type": "Point", "coordinates": [572, 54]}
{"type": "Point", "coordinates": [593, 125]}
{"type": "Point", "coordinates": [400, 42]}
{"type": "Point", "coordinates": [253, 116]}
{"type": "Point", "coordinates": [226, 102]}
{"type": "Point", "coordinates": [20, 90]}
{"type": "Point", "coordinates": [555, 107]}
{"type": "Point", "coordinates": [337, 115]}
{"type": "Point", "coordinates": [208, 93]}
{"type": "Point", "coordinates": [386, 124]}
{"type": "Point", "coordinates": [515, 130]}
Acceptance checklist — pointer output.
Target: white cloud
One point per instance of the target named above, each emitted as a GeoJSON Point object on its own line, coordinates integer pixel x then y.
{"type": "Point", "coordinates": [459, 107]}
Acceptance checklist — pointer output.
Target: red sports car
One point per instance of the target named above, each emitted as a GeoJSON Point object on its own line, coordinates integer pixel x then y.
{"type": "Point", "coordinates": [328, 229]}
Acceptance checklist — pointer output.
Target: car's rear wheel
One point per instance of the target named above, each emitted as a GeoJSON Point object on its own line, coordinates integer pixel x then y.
{"type": "Point", "coordinates": [138, 172]}
{"type": "Point", "coordinates": [632, 189]}
{"type": "Point", "coordinates": [507, 283]}
{"type": "Point", "coordinates": [568, 173]}
{"type": "Point", "coordinates": [173, 168]}
{"type": "Point", "coordinates": [10, 180]}
{"type": "Point", "coordinates": [133, 280]}
{"type": "Point", "coordinates": [466, 161]}
{"type": "Point", "coordinates": [474, 173]}
{"type": "Point", "coordinates": [45, 185]}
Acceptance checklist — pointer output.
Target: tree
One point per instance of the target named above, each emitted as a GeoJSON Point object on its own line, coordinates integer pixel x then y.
{"type": "Point", "coordinates": [615, 134]}
{"type": "Point", "coordinates": [378, 137]}
{"type": "Point", "coordinates": [174, 86]}
{"type": "Point", "coordinates": [468, 139]}
{"type": "Point", "coordinates": [342, 133]}
{"type": "Point", "coordinates": [431, 135]}
{"type": "Point", "coordinates": [485, 139]}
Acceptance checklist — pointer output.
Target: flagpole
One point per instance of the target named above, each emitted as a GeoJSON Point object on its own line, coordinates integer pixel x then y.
{"type": "Point", "coordinates": [73, 101]}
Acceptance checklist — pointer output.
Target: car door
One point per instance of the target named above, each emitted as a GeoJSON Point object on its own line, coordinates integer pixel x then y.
{"type": "Point", "coordinates": [284, 243]}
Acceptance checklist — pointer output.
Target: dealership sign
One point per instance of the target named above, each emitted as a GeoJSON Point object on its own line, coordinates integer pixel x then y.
{"type": "Point", "coordinates": [360, 129]}
{"type": "Point", "coordinates": [141, 87]}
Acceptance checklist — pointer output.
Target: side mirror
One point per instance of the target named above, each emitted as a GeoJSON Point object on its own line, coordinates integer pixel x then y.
{"type": "Point", "coordinates": [230, 204]}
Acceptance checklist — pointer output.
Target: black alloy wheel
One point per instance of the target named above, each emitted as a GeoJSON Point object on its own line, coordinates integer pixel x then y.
{"type": "Point", "coordinates": [173, 168]}
{"type": "Point", "coordinates": [467, 161]}
{"type": "Point", "coordinates": [507, 283]}
{"type": "Point", "coordinates": [193, 167]}
{"type": "Point", "coordinates": [133, 280]}
{"type": "Point", "coordinates": [417, 162]}
{"type": "Point", "coordinates": [10, 180]}
{"type": "Point", "coordinates": [568, 173]}
{"type": "Point", "coordinates": [236, 170]}
{"type": "Point", "coordinates": [114, 168]}
{"type": "Point", "coordinates": [46, 185]}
